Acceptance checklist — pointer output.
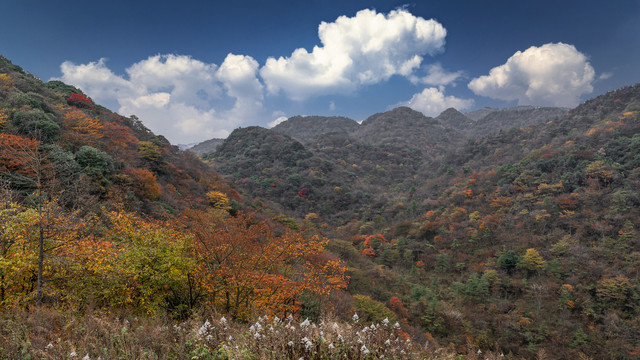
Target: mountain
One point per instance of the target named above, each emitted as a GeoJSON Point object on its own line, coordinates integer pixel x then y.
{"type": "Point", "coordinates": [480, 113]}
{"type": "Point", "coordinates": [404, 127]}
{"type": "Point", "coordinates": [453, 118]}
{"type": "Point", "coordinates": [519, 230]}
{"type": "Point", "coordinates": [519, 116]}
{"type": "Point", "coordinates": [305, 128]}
{"type": "Point", "coordinates": [206, 146]}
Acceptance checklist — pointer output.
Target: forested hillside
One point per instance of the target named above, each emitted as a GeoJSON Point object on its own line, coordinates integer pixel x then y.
{"type": "Point", "coordinates": [522, 239]}
{"type": "Point", "coordinates": [105, 225]}
{"type": "Point", "coordinates": [402, 237]}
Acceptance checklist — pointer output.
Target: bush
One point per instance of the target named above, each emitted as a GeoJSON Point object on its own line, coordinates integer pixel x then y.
{"type": "Point", "coordinates": [508, 261]}
{"type": "Point", "coordinates": [372, 311]}
{"type": "Point", "coordinates": [94, 161]}
{"type": "Point", "coordinates": [36, 124]}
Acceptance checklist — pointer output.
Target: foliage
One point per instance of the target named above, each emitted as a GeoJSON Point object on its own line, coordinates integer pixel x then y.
{"type": "Point", "coordinates": [218, 200]}
{"type": "Point", "coordinates": [36, 124]}
{"type": "Point", "coordinates": [80, 100]}
{"type": "Point", "coordinates": [243, 264]}
{"type": "Point", "coordinates": [93, 161]}
{"type": "Point", "coordinates": [146, 183]}
{"type": "Point", "coordinates": [532, 260]}
{"type": "Point", "coordinates": [82, 129]}
{"type": "Point", "coordinates": [372, 311]}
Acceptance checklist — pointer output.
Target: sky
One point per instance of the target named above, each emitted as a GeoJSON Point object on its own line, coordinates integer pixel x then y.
{"type": "Point", "coordinates": [192, 70]}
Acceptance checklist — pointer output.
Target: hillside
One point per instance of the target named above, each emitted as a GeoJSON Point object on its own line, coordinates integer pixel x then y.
{"type": "Point", "coordinates": [106, 224]}
{"type": "Point", "coordinates": [453, 118]}
{"type": "Point", "coordinates": [305, 128]}
{"type": "Point", "coordinates": [519, 116]}
{"type": "Point", "coordinates": [522, 240]}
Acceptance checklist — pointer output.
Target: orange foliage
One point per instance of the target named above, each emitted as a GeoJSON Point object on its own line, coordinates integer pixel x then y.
{"type": "Point", "coordinates": [369, 239]}
{"type": "Point", "coordinates": [16, 154]}
{"type": "Point", "coordinates": [82, 129]}
{"type": "Point", "coordinates": [369, 252]}
{"type": "Point", "coordinates": [120, 139]}
{"type": "Point", "coordinates": [243, 265]}
{"type": "Point", "coordinates": [146, 182]}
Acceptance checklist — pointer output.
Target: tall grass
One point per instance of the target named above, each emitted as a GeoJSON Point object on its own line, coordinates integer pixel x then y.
{"type": "Point", "coordinates": [48, 333]}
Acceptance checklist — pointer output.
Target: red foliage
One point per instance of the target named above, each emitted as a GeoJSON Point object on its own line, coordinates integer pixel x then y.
{"type": "Point", "coordinates": [370, 238]}
{"type": "Point", "coordinates": [395, 303]}
{"type": "Point", "coordinates": [80, 101]}
{"type": "Point", "coordinates": [304, 192]}
{"type": "Point", "coordinates": [567, 201]}
{"type": "Point", "coordinates": [368, 252]}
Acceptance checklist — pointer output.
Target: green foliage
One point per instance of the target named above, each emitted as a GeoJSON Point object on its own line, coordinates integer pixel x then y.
{"type": "Point", "coordinates": [94, 162]}
{"type": "Point", "coordinates": [476, 288]}
{"type": "Point", "coordinates": [63, 88]}
{"type": "Point", "coordinates": [36, 124]}
{"type": "Point", "coordinates": [508, 261]}
{"type": "Point", "coordinates": [372, 311]}
{"type": "Point", "coordinates": [149, 151]}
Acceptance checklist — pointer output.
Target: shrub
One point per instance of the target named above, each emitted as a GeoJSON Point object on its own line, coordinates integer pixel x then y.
{"type": "Point", "coordinates": [94, 161]}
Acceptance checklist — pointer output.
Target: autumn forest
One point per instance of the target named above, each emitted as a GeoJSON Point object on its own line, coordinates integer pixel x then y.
{"type": "Point", "coordinates": [506, 235]}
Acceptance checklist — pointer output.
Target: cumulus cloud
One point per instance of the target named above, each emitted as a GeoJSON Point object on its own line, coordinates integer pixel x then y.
{"type": "Point", "coordinates": [437, 75]}
{"type": "Point", "coordinates": [365, 49]}
{"type": "Point", "coordinates": [552, 74]}
{"type": "Point", "coordinates": [175, 95]}
{"type": "Point", "coordinates": [432, 101]}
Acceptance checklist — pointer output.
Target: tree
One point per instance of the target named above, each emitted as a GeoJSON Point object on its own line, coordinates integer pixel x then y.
{"type": "Point", "coordinates": [36, 124]}
{"type": "Point", "coordinates": [218, 200]}
{"type": "Point", "coordinates": [146, 183]}
{"type": "Point", "coordinates": [24, 157]}
{"type": "Point", "coordinates": [243, 264]}
{"type": "Point", "coordinates": [6, 83]}
{"type": "Point", "coordinates": [120, 140]}
{"type": "Point", "coordinates": [133, 263]}
{"type": "Point", "coordinates": [3, 119]}
{"type": "Point", "coordinates": [81, 129]}
{"type": "Point", "coordinates": [28, 235]}
{"type": "Point", "coordinates": [508, 261]}
{"type": "Point", "coordinates": [80, 101]}
{"type": "Point", "coordinates": [94, 162]}
{"type": "Point", "coordinates": [532, 261]}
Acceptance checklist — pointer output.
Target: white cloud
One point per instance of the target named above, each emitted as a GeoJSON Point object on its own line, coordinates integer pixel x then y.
{"type": "Point", "coordinates": [332, 106]}
{"type": "Point", "coordinates": [605, 76]}
{"type": "Point", "coordinates": [277, 121]}
{"type": "Point", "coordinates": [552, 74]}
{"type": "Point", "coordinates": [365, 49]}
{"type": "Point", "coordinates": [432, 102]}
{"type": "Point", "coordinates": [175, 95]}
{"type": "Point", "coordinates": [97, 80]}
{"type": "Point", "coordinates": [437, 75]}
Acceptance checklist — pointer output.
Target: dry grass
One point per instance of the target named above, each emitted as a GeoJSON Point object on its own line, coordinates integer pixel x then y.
{"type": "Point", "coordinates": [51, 334]}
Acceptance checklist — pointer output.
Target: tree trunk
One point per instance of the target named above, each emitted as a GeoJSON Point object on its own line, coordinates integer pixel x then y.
{"type": "Point", "coordinates": [40, 252]}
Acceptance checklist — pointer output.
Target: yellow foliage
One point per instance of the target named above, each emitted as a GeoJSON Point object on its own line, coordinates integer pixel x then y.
{"type": "Point", "coordinates": [6, 82]}
{"type": "Point", "coordinates": [532, 260]}
{"type": "Point", "coordinates": [218, 200]}
{"type": "Point", "coordinates": [3, 119]}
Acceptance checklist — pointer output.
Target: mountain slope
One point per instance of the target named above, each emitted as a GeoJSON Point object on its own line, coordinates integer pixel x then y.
{"type": "Point", "coordinates": [452, 118]}
{"type": "Point", "coordinates": [526, 237]}
{"type": "Point", "coordinates": [305, 128]}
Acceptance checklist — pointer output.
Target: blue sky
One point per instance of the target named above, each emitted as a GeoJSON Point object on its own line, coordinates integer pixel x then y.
{"type": "Point", "coordinates": [193, 69]}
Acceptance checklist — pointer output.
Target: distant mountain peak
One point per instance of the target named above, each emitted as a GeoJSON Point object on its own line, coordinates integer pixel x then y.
{"type": "Point", "coordinates": [305, 128]}
{"type": "Point", "coordinates": [453, 118]}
